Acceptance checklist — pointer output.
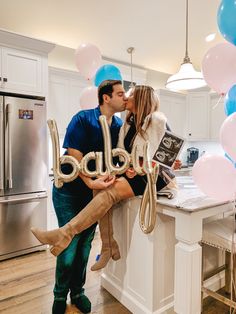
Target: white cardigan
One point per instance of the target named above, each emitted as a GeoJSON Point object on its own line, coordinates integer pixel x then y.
{"type": "Point", "coordinates": [153, 133]}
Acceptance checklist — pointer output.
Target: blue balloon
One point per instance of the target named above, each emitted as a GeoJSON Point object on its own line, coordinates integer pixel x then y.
{"type": "Point", "coordinates": [226, 19]}
{"type": "Point", "coordinates": [230, 101]}
{"type": "Point", "coordinates": [107, 72]}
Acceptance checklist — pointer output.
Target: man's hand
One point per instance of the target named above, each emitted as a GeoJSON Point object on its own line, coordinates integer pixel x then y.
{"type": "Point", "coordinates": [102, 182]}
{"type": "Point", "coordinates": [130, 173]}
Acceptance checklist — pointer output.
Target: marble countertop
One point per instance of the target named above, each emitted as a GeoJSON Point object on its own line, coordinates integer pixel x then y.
{"type": "Point", "coordinates": [189, 197]}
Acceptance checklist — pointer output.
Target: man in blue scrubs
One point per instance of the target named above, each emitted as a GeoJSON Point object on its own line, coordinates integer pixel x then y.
{"type": "Point", "coordinates": [83, 135]}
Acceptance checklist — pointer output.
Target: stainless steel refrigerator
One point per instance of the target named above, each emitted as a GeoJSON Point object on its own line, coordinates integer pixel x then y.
{"type": "Point", "coordinates": [23, 173]}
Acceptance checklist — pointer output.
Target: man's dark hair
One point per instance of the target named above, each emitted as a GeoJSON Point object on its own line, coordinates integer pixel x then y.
{"type": "Point", "coordinates": [106, 88]}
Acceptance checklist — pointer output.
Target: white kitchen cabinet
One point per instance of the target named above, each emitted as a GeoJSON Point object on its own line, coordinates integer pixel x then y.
{"type": "Point", "coordinates": [217, 116]}
{"type": "Point", "coordinates": [21, 72]}
{"type": "Point", "coordinates": [173, 105]}
{"type": "Point", "coordinates": [23, 64]}
{"type": "Point", "coordinates": [197, 116]}
{"type": "Point", "coordinates": [65, 88]}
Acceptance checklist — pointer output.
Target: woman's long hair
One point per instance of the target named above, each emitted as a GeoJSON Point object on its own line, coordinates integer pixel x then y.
{"type": "Point", "coordinates": [145, 102]}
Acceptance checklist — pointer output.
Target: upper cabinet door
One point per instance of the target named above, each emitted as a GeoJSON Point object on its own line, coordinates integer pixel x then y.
{"type": "Point", "coordinates": [198, 116]}
{"type": "Point", "coordinates": [58, 104]}
{"type": "Point", "coordinates": [21, 72]}
{"type": "Point", "coordinates": [217, 116]}
{"type": "Point", "coordinates": [173, 105]}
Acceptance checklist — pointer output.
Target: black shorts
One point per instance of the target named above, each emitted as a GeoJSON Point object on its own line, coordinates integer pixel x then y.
{"type": "Point", "coordinates": [138, 183]}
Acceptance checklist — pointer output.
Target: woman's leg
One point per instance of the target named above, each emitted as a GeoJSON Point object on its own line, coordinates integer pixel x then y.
{"type": "Point", "coordinates": [110, 248]}
{"type": "Point", "coordinates": [97, 208]}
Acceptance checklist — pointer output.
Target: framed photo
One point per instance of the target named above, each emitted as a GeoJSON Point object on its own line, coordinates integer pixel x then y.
{"type": "Point", "coordinates": [168, 149]}
{"type": "Point", "coordinates": [25, 114]}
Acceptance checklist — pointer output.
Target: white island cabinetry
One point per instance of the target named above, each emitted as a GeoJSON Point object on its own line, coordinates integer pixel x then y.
{"type": "Point", "coordinates": [161, 272]}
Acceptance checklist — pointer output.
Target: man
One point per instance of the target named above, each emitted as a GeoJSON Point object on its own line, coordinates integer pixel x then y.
{"type": "Point", "coordinates": [83, 135]}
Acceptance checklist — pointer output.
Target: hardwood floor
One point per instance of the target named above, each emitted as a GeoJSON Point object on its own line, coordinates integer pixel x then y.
{"type": "Point", "coordinates": [26, 285]}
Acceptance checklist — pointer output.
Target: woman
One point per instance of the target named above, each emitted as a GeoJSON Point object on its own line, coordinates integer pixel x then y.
{"type": "Point", "coordinates": [143, 123]}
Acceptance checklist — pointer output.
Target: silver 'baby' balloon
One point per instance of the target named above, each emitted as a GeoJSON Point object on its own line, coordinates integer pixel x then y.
{"type": "Point", "coordinates": [59, 176]}
{"type": "Point", "coordinates": [109, 153]}
{"type": "Point", "coordinates": [147, 213]}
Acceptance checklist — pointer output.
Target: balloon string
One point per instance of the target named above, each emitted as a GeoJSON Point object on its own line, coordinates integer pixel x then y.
{"type": "Point", "coordinates": [214, 107]}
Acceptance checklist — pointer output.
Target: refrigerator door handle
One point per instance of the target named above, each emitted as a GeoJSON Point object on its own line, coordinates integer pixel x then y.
{"type": "Point", "coordinates": [1, 146]}
{"type": "Point", "coordinates": [23, 199]}
{"type": "Point", "coordinates": [9, 172]}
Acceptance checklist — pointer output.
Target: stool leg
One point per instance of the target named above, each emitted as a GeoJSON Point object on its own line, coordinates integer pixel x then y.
{"type": "Point", "coordinates": [234, 279]}
{"type": "Point", "coordinates": [227, 272]}
{"type": "Point", "coordinates": [202, 277]}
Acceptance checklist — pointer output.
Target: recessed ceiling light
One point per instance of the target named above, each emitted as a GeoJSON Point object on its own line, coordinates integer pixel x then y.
{"type": "Point", "coordinates": [210, 37]}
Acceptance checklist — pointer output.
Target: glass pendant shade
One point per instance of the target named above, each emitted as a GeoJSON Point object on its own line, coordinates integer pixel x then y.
{"type": "Point", "coordinates": [187, 78]}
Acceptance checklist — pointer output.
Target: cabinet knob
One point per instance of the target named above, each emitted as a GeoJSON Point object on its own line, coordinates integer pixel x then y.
{"type": "Point", "coordinates": [4, 79]}
{"type": "Point", "coordinates": [0, 78]}
{"type": "Point", "coordinates": [189, 134]}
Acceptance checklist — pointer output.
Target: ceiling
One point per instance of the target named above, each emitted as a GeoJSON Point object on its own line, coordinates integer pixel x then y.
{"type": "Point", "coordinates": [156, 28]}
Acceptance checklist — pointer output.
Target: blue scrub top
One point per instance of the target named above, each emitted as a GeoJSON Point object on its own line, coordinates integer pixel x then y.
{"type": "Point", "coordinates": [84, 133]}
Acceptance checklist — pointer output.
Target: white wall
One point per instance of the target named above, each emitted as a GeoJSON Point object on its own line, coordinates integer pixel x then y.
{"type": "Point", "coordinates": [62, 58]}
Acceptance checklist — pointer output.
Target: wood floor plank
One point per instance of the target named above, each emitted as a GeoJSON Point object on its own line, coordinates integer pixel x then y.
{"type": "Point", "coordinates": [26, 285]}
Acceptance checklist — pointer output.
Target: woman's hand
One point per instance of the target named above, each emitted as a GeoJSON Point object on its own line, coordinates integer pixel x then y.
{"type": "Point", "coordinates": [102, 182]}
{"type": "Point", "coordinates": [130, 173]}
{"type": "Point", "coordinates": [177, 164]}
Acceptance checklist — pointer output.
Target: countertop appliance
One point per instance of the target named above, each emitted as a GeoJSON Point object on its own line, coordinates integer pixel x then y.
{"type": "Point", "coordinates": [23, 173]}
{"type": "Point", "coordinates": [192, 155]}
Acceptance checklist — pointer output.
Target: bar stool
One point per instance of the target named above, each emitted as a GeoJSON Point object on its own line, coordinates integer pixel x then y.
{"type": "Point", "coordinates": [219, 234]}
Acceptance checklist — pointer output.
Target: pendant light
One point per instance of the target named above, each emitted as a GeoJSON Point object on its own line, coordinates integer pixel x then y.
{"type": "Point", "coordinates": [187, 77]}
{"type": "Point", "coordinates": [130, 51]}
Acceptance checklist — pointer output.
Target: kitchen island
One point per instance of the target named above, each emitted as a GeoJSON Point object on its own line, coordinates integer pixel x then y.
{"type": "Point", "coordinates": [161, 272]}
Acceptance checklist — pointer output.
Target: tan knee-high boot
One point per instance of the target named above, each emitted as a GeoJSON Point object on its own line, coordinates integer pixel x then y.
{"type": "Point", "coordinates": [60, 238]}
{"type": "Point", "coordinates": [110, 248]}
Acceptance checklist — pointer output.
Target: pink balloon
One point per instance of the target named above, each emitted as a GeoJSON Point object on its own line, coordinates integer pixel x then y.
{"type": "Point", "coordinates": [89, 97]}
{"type": "Point", "coordinates": [228, 135]}
{"type": "Point", "coordinates": [215, 176]}
{"type": "Point", "coordinates": [219, 67]}
{"type": "Point", "coordinates": [88, 59]}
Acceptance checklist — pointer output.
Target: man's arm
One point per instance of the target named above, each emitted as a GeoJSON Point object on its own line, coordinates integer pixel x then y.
{"type": "Point", "coordinates": [98, 184]}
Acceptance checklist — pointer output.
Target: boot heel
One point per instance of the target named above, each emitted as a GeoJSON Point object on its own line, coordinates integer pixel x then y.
{"type": "Point", "coordinates": [55, 250]}
{"type": "Point", "coordinates": [116, 256]}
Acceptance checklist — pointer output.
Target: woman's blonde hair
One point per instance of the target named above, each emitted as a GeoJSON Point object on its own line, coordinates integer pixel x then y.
{"type": "Point", "coordinates": [145, 102]}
